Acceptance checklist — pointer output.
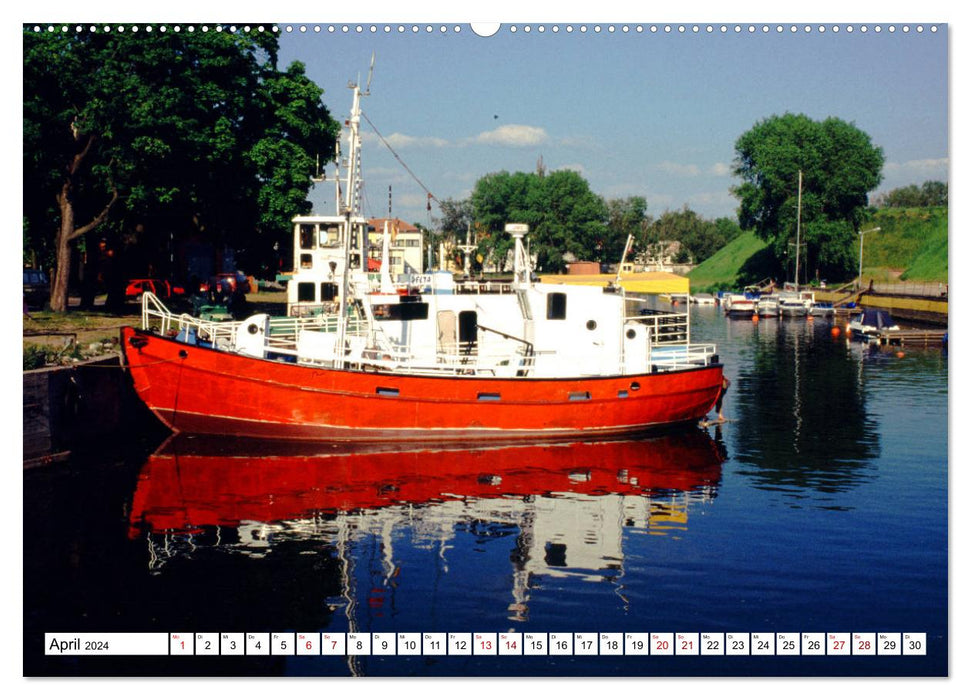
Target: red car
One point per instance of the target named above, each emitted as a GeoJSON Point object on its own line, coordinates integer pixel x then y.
{"type": "Point", "coordinates": [163, 289]}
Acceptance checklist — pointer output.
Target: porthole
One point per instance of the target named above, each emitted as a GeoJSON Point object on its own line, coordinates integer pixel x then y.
{"type": "Point", "coordinates": [253, 329]}
{"type": "Point", "coordinates": [635, 386]}
{"type": "Point", "coordinates": [591, 325]}
{"type": "Point", "coordinates": [631, 334]}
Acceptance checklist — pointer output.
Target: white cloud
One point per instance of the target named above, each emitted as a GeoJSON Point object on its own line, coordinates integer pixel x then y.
{"type": "Point", "coordinates": [397, 140]}
{"type": "Point", "coordinates": [692, 170]}
{"type": "Point", "coordinates": [679, 169]}
{"type": "Point", "coordinates": [513, 135]}
{"type": "Point", "coordinates": [926, 165]}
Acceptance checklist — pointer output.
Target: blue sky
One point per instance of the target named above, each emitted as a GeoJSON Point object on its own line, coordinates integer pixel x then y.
{"type": "Point", "coordinates": [654, 114]}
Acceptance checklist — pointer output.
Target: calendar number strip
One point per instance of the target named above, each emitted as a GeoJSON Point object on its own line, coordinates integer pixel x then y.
{"type": "Point", "coordinates": [486, 644]}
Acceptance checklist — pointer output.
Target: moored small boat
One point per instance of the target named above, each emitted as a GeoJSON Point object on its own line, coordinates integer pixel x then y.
{"type": "Point", "coordinates": [870, 323]}
{"type": "Point", "coordinates": [822, 309]}
{"type": "Point", "coordinates": [768, 305]}
{"type": "Point", "coordinates": [739, 305]}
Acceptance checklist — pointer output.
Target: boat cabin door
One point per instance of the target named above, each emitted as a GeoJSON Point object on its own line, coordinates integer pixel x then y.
{"type": "Point", "coordinates": [468, 332]}
{"type": "Point", "coordinates": [447, 332]}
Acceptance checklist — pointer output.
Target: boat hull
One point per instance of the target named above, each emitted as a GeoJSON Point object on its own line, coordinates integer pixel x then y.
{"type": "Point", "coordinates": [198, 390]}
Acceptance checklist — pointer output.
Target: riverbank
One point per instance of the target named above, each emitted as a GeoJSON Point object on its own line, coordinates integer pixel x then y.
{"type": "Point", "coordinates": [62, 339]}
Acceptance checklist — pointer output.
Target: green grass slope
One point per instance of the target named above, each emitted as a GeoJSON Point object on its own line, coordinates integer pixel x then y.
{"type": "Point", "coordinates": [911, 245]}
{"type": "Point", "coordinates": [721, 269]}
{"type": "Point", "coordinates": [912, 241]}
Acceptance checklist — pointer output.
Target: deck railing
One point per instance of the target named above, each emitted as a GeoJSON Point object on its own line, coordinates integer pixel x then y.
{"type": "Point", "coordinates": [665, 328]}
{"type": "Point", "coordinates": [368, 345]}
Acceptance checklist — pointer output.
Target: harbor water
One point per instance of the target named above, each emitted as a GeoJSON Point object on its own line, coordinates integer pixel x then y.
{"type": "Point", "coordinates": [820, 507]}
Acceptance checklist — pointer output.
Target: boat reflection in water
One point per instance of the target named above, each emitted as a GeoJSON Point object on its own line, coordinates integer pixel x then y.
{"type": "Point", "coordinates": [566, 506]}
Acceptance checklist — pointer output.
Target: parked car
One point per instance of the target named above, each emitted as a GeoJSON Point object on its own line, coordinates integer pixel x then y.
{"type": "Point", "coordinates": [37, 289]}
{"type": "Point", "coordinates": [163, 289]}
{"type": "Point", "coordinates": [226, 282]}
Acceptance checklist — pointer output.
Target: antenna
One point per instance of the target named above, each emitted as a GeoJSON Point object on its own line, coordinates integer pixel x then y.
{"type": "Point", "coordinates": [319, 176]}
{"type": "Point", "coordinates": [370, 73]}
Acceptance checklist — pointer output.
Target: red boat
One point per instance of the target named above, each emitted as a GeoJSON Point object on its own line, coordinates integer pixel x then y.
{"type": "Point", "coordinates": [196, 389]}
{"type": "Point", "coordinates": [356, 359]}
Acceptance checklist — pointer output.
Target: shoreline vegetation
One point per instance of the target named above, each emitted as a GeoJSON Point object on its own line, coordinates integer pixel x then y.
{"type": "Point", "coordinates": [910, 247]}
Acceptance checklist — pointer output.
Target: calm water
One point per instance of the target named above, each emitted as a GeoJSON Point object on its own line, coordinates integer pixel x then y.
{"type": "Point", "coordinates": [822, 507]}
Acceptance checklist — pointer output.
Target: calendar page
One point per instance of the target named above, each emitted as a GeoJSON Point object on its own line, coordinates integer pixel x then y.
{"type": "Point", "coordinates": [790, 521]}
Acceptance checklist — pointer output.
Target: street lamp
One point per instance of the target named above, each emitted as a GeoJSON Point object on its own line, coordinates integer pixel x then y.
{"type": "Point", "coordinates": [860, 275]}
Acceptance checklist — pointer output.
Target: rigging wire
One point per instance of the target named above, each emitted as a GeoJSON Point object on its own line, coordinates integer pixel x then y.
{"type": "Point", "coordinates": [403, 164]}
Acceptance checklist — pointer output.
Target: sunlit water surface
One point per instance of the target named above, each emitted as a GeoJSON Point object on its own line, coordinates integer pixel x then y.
{"type": "Point", "coordinates": [821, 507]}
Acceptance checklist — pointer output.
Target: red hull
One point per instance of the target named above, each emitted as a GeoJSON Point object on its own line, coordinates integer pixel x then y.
{"type": "Point", "coordinates": [194, 482]}
{"type": "Point", "coordinates": [197, 390]}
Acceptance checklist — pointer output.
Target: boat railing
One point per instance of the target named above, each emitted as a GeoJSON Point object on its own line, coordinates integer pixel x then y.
{"type": "Point", "coordinates": [665, 328]}
{"type": "Point", "coordinates": [675, 357]}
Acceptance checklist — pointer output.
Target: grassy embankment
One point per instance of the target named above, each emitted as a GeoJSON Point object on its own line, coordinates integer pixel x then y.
{"type": "Point", "coordinates": [721, 269]}
{"type": "Point", "coordinates": [911, 246]}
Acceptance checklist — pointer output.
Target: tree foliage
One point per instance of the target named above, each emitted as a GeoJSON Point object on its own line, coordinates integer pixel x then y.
{"type": "Point", "coordinates": [932, 193]}
{"type": "Point", "coordinates": [625, 217]}
{"type": "Point", "coordinates": [839, 166]}
{"type": "Point", "coordinates": [150, 140]}
{"type": "Point", "coordinates": [453, 227]}
{"type": "Point", "coordinates": [563, 214]}
{"type": "Point", "coordinates": [700, 238]}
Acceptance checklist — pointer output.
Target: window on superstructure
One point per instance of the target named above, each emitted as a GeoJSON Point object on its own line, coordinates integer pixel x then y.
{"type": "Point", "coordinates": [328, 291]}
{"type": "Point", "coordinates": [307, 236]}
{"type": "Point", "coordinates": [305, 292]}
{"type": "Point", "coordinates": [556, 306]}
{"type": "Point", "coordinates": [330, 235]}
{"type": "Point", "coordinates": [306, 261]}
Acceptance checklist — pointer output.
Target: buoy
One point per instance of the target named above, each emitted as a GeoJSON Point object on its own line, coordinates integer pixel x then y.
{"type": "Point", "coordinates": [900, 353]}
{"type": "Point", "coordinates": [835, 331]}
{"type": "Point", "coordinates": [755, 318]}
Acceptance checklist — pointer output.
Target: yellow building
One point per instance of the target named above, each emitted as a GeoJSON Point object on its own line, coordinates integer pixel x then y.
{"type": "Point", "coordinates": [633, 282]}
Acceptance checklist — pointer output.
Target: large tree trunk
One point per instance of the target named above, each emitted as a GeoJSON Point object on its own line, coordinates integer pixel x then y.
{"type": "Point", "coordinates": [67, 232]}
{"type": "Point", "coordinates": [63, 247]}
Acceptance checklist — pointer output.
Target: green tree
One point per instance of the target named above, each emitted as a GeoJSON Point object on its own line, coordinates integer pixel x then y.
{"type": "Point", "coordinates": [148, 140]}
{"type": "Point", "coordinates": [932, 193]}
{"type": "Point", "coordinates": [626, 216]}
{"type": "Point", "coordinates": [700, 238]}
{"type": "Point", "coordinates": [453, 227]}
{"type": "Point", "coordinates": [839, 166]}
{"type": "Point", "coordinates": [563, 215]}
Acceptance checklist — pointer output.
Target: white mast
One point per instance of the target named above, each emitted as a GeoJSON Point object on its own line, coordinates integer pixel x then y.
{"type": "Point", "coordinates": [798, 223]}
{"type": "Point", "coordinates": [354, 144]}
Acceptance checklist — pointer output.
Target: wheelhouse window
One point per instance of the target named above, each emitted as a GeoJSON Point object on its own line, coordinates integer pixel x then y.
{"type": "Point", "coordinates": [306, 261]}
{"type": "Point", "coordinates": [308, 235]}
{"type": "Point", "coordinates": [328, 291]}
{"type": "Point", "coordinates": [556, 306]}
{"type": "Point", "coordinates": [330, 235]}
{"type": "Point", "coordinates": [305, 292]}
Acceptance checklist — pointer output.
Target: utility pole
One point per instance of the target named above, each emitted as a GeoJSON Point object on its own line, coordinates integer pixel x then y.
{"type": "Point", "coordinates": [859, 277]}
